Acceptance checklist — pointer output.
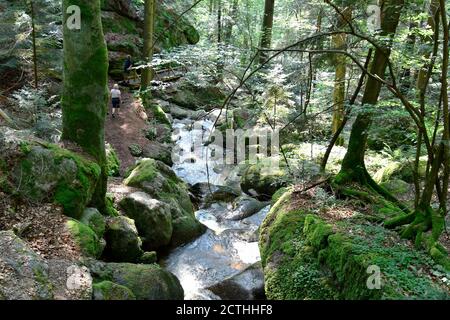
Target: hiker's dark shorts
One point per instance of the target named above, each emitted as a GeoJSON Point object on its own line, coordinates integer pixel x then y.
{"type": "Point", "coordinates": [116, 103]}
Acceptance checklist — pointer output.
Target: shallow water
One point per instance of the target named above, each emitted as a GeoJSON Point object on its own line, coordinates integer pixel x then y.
{"type": "Point", "coordinates": [227, 247]}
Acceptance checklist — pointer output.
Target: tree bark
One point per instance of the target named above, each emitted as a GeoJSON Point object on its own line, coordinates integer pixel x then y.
{"type": "Point", "coordinates": [231, 21]}
{"type": "Point", "coordinates": [33, 28]}
{"type": "Point", "coordinates": [85, 92]}
{"type": "Point", "coordinates": [147, 53]}
{"type": "Point", "coordinates": [353, 166]}
{"type": "Point", "coordinates": [340, 43]}
{"type": "Point", "coordinates": [266, 30]}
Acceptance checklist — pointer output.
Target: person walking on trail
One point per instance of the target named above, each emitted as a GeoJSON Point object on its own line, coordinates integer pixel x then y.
{"type": "Point", "coordinates": [127, 68]}
{"type": "Point", "coordinates": [116, 97]}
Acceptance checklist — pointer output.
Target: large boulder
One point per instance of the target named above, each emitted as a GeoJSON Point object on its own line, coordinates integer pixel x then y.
{"type": "Point", "coordinates": [153, 219]}
{"type": "Point", "coordinates": [24, 275]}
{"type": "Point", "coordinates": [244, 207]}
{"type": "Point", "coordinates": [40, 172]}
{"type": "Point", "coordinates": [159, 181]}
{"type": "Point", "coordinates": [194, 97]}
{"type": "Point", "coordinates": [262, 180]}
{"type": "Point", "coordinates": [146, 282]}
{"type": "Point", "coordinates": [311, 251]}
{"type": "Point", "coordinates": [246, 285]}
{"type": "Point", "coordinates": [122, 240]}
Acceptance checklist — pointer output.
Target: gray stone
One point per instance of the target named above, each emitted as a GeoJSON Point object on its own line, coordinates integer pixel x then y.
{"type": "Point", "coordinates": [153, 219]}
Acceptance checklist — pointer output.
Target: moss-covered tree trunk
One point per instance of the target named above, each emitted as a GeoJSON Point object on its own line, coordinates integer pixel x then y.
{"type": "Point", "coordinates": [147, 54]}
{"type": "Point", "coordinates": [353, 166]}
{"type": "Point", "coordinates": [340, 43]}
{"type": "Point", "coordinates": [85, 93]}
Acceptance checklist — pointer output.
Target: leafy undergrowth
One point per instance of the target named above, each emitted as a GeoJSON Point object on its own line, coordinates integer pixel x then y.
{"type": "Point", "coordinates": [314, 246]}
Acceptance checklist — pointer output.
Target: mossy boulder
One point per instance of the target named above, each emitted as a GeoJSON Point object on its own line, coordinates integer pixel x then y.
{"type": "Point", "coordinates": [146, 282]}
{"type": "Point", "coordinates": [196, 97]}
{"type": "Point", "coordinates": [263, 179]}
{"type": "Point", "coordinates": [149, 257]}
{"type": "Point", "coordinates": [123, 243]}
{"type": "Point", "coordinates": [396, 186]}
{"type": "Point", "coordinates": [306, 255]}
{"type": "Point", "coordinates": [153, 219]}
{"type": "Point", "coordinates": [401, 170]}
{"type": "Point", "coordinates": [94, 220]}
{"type": "Point", "coordinates": [107, 290]}
{"type": "Point", "coordinates": [113, 161]}
{"type": "Point", "coordinates": [41, 172]}
{"type": "Point", "coordinates": [158, 180]}
{"type": "Point", "coordinates": [90, 244]}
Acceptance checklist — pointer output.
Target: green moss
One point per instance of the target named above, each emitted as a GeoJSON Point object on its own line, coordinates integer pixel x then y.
{"type": "Point", "coordinates": [112, 161]}
{"type": "Point", "coordinates": [277, 195]}
{"type": "Point", "coordinates": [144, 171]}
{"type": "Point", "coordinates": [305, 257]}
{"type": "Point", "coordinates": [110, 209]}
{"type": "Point", "coordinates": [158, 114]}
{"type": "Point", "coordinates": [86, 238]}
{"type": "Point", "coordinates": [107, 290]}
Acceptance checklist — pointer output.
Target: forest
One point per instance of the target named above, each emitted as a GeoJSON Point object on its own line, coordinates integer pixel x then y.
{"type": "Point", "coordinates": [224, 150]}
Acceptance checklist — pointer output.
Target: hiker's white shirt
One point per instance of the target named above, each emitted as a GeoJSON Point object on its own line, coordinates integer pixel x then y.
{"type": "Point", "coordinates": [115, 93]}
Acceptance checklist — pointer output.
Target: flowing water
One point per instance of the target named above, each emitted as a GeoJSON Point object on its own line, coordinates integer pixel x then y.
{"type": "Point", "coordinates": [228, 247]}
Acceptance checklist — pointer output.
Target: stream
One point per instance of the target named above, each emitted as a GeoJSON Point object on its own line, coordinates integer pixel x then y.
{"type": "Point", "coordinates": [223, 263]}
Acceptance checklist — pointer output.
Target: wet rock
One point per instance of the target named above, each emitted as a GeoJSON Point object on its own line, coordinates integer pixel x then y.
{"type": "Point", "coordinates": [147, 282]}
{"type": "Point", "coordinates": [247, 285]}
{"type": "Point", "coordinates": [222, 194]}
{"type": "Point", "coordinates": [153, 219]}
{"type": "Point", "coordinates": [244, 207]}
{"type": "Point", "coordinates": [122, 240]}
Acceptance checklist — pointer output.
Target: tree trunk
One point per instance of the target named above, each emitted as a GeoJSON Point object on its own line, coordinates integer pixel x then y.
{"type": "Point", "coordinates": [353, 166]}
{"type": "Point", "coordinates": [85, 92]}
{"type": "Point", "coordinates": [231, 21]}
{"type": "Point", "coordinates": [266, 31]}
{"type": "Point", "coordinates": [340, 43]}
{"type": "Point", "coordinates": [147, 53]}
{"type": "Point", "coordinates": [33, 28]}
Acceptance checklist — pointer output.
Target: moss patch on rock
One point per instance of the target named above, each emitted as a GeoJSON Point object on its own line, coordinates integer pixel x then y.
{"type": "Point", "coordinates": [159, 181]}
{"type": "Point", "coordinates": [307, 255]}
{"type": "Point", "coordinates": [107, 290]}
{"type": "Point", "coordinates": [88, 241]}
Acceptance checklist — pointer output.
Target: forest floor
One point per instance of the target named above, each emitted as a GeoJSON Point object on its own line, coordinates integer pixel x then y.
{"type": "Point", "coordinates": [127, 128]}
